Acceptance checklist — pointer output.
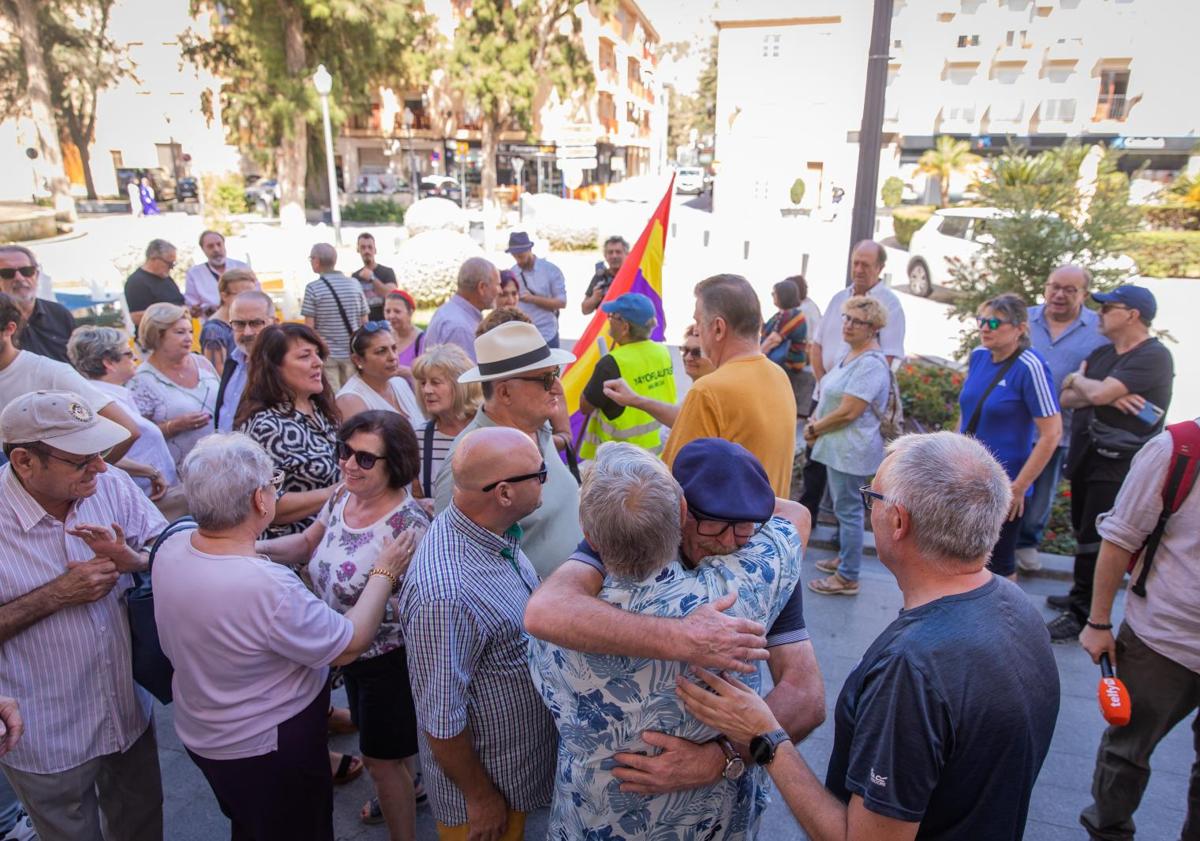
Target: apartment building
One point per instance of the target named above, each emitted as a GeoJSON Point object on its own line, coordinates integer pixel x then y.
{"type": "Point", "coordinates": [1034, 73]}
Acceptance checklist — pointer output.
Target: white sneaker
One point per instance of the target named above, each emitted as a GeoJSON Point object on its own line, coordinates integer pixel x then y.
{"type": "Point", "coordinates": [1028, 560]}
{"type": "Point", "coordinates": [22, 830]}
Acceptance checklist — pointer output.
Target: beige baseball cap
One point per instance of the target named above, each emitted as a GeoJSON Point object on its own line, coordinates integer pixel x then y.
{"type": "Point", "coordinates": [60, 419]}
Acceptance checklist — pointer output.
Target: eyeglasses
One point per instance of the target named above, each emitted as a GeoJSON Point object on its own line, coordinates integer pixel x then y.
{"type": "Point", "coordinates": [709, 526]}
{"type": "Point", "coordinates": [991, 323]}
{"type": "Point", "coordinates": [254, 323]}
{"type": "Point", "coordinates": [26, 271]}
{"type": "Point", "coordinates": [869, 496]}
{"type": "Point", "coordinates": [512, 480]}
{"type": "Point", "coordinates": [547, 379]}
{"type": "Point", "coordinates": [79, 466]}
{"type": "Point", "coordinates": [691, 352]}
{"type": "Point", "coordinates": [1107, 308]}
{"type": "Point", "coordinates": [1051, 288]}
{"type": "Point", "coordinates": [855, 322]}
{"type": "Point", "coordinates": [365, 460]}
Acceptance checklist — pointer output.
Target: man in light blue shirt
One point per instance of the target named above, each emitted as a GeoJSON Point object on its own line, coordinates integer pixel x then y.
{"type": "Point", "coordinates": [249, 314]}
{"type": "Point", "coordinates": [455, 321]}
{"type": "Point", "coordinates": [1064, 332]}
{"type": "Point", "coordinates": [543, 288]}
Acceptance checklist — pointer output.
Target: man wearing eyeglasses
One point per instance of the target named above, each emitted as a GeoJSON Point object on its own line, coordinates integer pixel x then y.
{"type": "Point", "coordinates": [1064, 332]}
{"type": "Point", "coordinates": [249, 314]}
{"type": "Point", "coordinates": [48, 324]}
{"type": "Point", "coordinates": [519, 375]}
{"type": "Point", "coordinates": [70, 531]}
{"type": "Point", "coordinates": [151, 282]}
{"type": "Point", "coordinates": [730, 513]}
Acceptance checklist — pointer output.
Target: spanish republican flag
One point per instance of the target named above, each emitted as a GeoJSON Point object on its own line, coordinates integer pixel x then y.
{"type": "Point", "coordinates": [641, 272]}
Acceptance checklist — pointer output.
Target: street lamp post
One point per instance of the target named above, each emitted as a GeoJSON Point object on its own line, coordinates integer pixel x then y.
{"type": "Point", "coordinates": [323, 82]}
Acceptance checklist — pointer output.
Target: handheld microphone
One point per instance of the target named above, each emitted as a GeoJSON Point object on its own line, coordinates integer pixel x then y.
{"type": "Point", "coordinates": [1114, 697]}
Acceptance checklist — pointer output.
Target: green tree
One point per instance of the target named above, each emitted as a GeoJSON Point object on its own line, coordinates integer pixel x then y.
{"type": "Point", "coordinates": [946, 158]}
{"type": "Point", "coordinates": [266, 52]}
{"type": "Point", "coordinates": [503, 52]}
{"type": "Point", "coordinates": [892, 191]}
{"type": "Point", "coordinates": [1047, 218]}
{"type": "Point", "coordinates": [688, 112]}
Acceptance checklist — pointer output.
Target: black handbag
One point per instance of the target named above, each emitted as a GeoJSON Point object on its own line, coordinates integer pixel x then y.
{"type": "Point", "coordinates": [151, 668]}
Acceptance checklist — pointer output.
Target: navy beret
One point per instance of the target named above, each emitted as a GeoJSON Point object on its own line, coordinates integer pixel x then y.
{"type": "Point", "coordinates": [724, 480]}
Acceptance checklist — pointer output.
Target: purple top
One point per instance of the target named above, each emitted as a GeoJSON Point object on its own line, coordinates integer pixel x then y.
{"type": "Point", "coordinates": [410, 353]}
{"type": "Point", "coordinates": [454, 323]}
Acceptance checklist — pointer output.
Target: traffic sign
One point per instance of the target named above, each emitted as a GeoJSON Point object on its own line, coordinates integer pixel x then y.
{"type": "Point", "coordinates": [577, 150]}
{"type": "Point", "coordinates": [566, 164]}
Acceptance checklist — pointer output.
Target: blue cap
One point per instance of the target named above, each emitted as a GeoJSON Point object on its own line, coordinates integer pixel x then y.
{"type": "Point", "coordinates": [634, 307]}
{"type": "Point", "coordinates": [724, 480]}
{"type": "Point", "coordinates": [1134, 297]}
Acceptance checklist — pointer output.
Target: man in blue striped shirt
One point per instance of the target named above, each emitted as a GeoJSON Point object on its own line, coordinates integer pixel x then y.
{"type": "Point", "coordinates": [487, 742]}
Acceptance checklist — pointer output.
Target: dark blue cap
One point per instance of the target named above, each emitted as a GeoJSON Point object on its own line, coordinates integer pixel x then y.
{"type": "Point", "coordinates": [1134, 297]}
{"type": "Point", "coordinates": [724, 480]}
{"type": "Point", "coordinates": [634, 307]}
{"type": "Point", "coordinates": [518, 241]}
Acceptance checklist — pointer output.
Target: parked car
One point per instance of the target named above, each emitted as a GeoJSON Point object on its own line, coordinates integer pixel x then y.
{"type": "Point", "coordinates": [441, 186]}
{"type": "Point", "coordinates": [689, 180]}
{"type": "Point", "coordinates": [959, 233]}
{"type": "Point", "coordinates": [262, 194]}
{"type": "Point", "coordinates": [188, 189]}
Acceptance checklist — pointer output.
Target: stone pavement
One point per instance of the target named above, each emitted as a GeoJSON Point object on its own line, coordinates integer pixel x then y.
{"type": "Point", "coordinates": [842, 628]}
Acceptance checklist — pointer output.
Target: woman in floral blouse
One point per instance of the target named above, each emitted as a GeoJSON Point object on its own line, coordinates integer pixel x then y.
{"type": "Point", "coordinates": [288, 408]}
{"type": "Point", "coordinates": [379, 459]}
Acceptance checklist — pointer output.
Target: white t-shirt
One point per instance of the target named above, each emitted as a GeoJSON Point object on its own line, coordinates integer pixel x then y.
{"type": "Point", "coordinates": [150, 447]}
{"type": "Point", "coordinates": [891, 337]}
{"type": "Point", "coordinates": [401, 390]}
{"type": "Point", "coordinates": [200, 283]}
{"type": "Point", "coordinates": [249, 642]}
{"type": "Point", "coordinates": [30, 372]}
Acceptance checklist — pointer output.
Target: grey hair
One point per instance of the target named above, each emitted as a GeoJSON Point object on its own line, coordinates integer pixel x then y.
{"type": "Point", "coordinates": [220, 474]}
{"type": "Point", "coordinates": [159, 248]}
{"type": "Point", "coordinates": [90, 346]}
{"type": "Point", "coordinates": [641, 332]}
{"type": "Point", "coordinates": [13, 248]}
{"type": "Point", "coordinates": [1012, 308]}
{"type": "Point", "coordinates": [325, 255]}
{"type": "Point", "coordinates": [257, 296]}
{"type": "Point", "coordinates": [629, 508]}
{"type": "Point", "coordinates": [474, 271]}
{"type": "Point", "coordinates": [158, 318]}
{"type": "Point", "coordinates": [955, 491]}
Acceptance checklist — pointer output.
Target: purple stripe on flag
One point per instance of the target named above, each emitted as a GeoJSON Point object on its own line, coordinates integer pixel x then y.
{"type": "Point", "coordinates": [640, 284]}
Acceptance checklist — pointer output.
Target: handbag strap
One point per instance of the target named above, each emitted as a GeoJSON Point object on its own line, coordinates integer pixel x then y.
{"type": "Point", "coordinates": [427, 461]}
{"type": "Point", "coordinates": [973, 423]}
{"type": "Point", "coordinates": [791, 325]}
{"type": "Point", "coordinates": [338, 301]}
{"type": "Point", "coordinates": [893, 389]}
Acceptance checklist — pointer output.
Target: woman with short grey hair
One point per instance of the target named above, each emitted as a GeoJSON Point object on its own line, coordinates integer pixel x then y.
{"type": "Point", "coordinates": [105, 357]}
{"type": "Point", "coordinates": [173, 387]}
{"type": "Point", "coordinates": [252, 647]}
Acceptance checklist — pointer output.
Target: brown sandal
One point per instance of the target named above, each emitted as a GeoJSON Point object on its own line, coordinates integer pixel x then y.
{"type": "Point", "coordinates": [834, 585]}
{"type": "Point", "coordinates": [350, 768]}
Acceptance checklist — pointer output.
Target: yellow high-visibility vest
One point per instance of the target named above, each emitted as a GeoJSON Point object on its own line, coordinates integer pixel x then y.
{"type": "Point", "coordinates": [647, 367]}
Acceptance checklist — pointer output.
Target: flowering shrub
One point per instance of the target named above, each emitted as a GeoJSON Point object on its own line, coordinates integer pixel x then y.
{"type": "Point", "coordinates": [930, 395]}
{"type": "Point", "coordinates": [1059, 535]}
{"type": "Point", "coordinates": [563, 224]}
{"type": "Point", "coordinates": [435, 214]}
{"type": "Point", "coordinates": [427, 265]}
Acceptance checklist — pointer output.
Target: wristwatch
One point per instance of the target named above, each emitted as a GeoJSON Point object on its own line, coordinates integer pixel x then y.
{"type": "Point", "coordinates": [734, 766]}
{"type": "Point", "coordinates": [762, 748]}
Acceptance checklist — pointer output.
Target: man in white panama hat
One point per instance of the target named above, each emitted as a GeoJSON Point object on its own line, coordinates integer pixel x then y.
{"type": "Point", "coordinates": [518, 371]}
{"type": "Point", "coordinates": [70, 528]}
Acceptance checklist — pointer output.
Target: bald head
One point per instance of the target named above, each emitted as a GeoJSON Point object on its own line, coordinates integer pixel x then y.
{"type": "Point", "coordinates": [479, 282]}
{"type": "Point", "coordinates": [323, 256]}
{"type": "Point", "coordinates": [492, 458]}
{"type": "Point", "coordinates": [1066, 289]}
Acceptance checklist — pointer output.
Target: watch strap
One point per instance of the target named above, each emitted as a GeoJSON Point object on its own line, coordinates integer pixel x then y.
{"type": "Point", "coordinates": [763, 747]}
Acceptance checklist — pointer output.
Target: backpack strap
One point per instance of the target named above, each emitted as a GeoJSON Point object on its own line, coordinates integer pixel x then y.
{"type": "Point", "coordinates": [1181, 476]}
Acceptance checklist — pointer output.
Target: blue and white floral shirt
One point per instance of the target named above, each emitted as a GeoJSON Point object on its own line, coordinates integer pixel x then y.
{"type": "Point", "coordinates": [602, 704]}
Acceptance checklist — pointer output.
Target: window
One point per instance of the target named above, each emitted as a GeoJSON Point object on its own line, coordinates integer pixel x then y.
{"type": "Point", "coordinates": [954, 226]}
{"type": "Point", "coordinates": [959, 112]}
{"type": "Point", "coordinates": [1112, 103]}
{"type": "Point", "coordinates": [770, 46]}
{"type": "Point", "coordinates": [1016, 38]}
{"type": "Point", "coordinates": [968, 41]}
{"type": "Point", "coordinates": [1058, 110]}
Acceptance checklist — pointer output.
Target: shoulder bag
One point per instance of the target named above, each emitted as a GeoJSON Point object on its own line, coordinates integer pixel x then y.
{"type": "Point", "coordinates": [341, 309]}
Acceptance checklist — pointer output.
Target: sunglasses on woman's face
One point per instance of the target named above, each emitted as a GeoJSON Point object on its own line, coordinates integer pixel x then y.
{"type": "Point", "coordinates": [691, 352]}
{"type": "Point", "coordinates": [365, 460]}
{"type": "Point", "coordinates": [991, 323]}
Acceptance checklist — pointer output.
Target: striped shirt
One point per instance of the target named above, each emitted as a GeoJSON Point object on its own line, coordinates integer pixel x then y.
{"type": "Point", "coordinates": [71, 671]}
{"type": "Point", "coordinates": [463, 606]}
{"type": "Point", "coordinates": [435, 460]}
{"type": "Point", "coordinates": [321, 305]}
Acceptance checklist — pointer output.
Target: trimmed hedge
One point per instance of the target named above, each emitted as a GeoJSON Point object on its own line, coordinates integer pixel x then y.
{"type": "Point", "coordinates": [906, 220]}
{"type": "Point", "coordinates": [1165, 253]}
{"type": "Point", "coordinates": [376, 211]}
{"type": "Point", "coordinates": [1169, 217]}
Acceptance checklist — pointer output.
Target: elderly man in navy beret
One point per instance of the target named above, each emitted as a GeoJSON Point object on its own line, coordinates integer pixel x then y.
{"type": "Point", "coordinates": [731, 518]}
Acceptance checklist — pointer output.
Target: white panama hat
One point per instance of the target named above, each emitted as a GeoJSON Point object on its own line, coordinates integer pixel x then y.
{"type": "Point", "coordinates": [509, 349]}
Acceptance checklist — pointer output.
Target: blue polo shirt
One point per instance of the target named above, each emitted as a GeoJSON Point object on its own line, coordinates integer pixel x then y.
{"type": "Point", "coordinates": [1065, 353]}
{"type": "Point", "coordinates": [1006, 424]}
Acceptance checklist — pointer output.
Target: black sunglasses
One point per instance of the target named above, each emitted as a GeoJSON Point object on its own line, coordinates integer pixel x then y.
{"type": "Point", "coordinates": [691, 352]}
{"type": "Point", "coordinates": [26, 271]}
{"type": "Point", "coordinates": [547, 379]}
{"type": "Point", "coordinates": [512, 480]}
{"type": "Point", "coordinates": [709, 526]}
{"type": "Point", "coordinates": [365, 460]}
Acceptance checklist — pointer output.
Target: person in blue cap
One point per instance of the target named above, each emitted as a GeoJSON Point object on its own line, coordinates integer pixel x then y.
{"type": "Point", "coordinates": [543, 288]}
{"type": "Point", "coordinates": [1120, 395]}
{"type": "Point", "coordinates": [646, 367]}
{"type": "Point", "coordinates": [731, 518]}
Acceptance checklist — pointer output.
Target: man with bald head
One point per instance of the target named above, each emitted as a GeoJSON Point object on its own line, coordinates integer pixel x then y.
{"type": "Point", "coordinates": [249, 313]}
{"type": "Point", "coordinates": [334, 306]}
{"type": "Point", "coordinates": [1064, 332]}
{"type": "Point", "coordinates": [455, 321]}
{"type": "Point", "coordinates": [487, 743]}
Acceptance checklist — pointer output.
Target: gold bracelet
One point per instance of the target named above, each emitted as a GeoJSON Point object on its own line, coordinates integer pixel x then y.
{"type": "Point", "coordinates": [379, 571]}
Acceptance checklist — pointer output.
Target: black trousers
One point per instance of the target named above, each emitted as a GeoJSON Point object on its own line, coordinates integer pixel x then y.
{"type": "Point", "coordinates": [1089, 499]}
{"type": "Point", "coordinates": [285, 795]}
{"type": "Point", "coordinates": [815, 479]}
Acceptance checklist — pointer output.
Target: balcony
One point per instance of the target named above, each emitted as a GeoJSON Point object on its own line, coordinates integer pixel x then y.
{"type": "Point", "coordinates": [969, 54]}
{"type": "Point", "coordinates": [960, 118]}
{"type": "Point", "coordinates": [1056, 114]}
{"type": "Point", "coordinates": [1008, 118]}
{"type": "Point", "coordinates": [1012, 54]}
{"type": "Point", "coordinates": [1065, 52]}
{"type": "Point", "coordinates": [1111, 107]}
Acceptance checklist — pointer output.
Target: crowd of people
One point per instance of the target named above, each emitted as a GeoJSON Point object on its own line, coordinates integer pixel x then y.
{"type": "Point", "coordinates": [526, 612]}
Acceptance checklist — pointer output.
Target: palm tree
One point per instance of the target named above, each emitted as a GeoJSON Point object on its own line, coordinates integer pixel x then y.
{"type": "Point", "coordinates": [946, 158]}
